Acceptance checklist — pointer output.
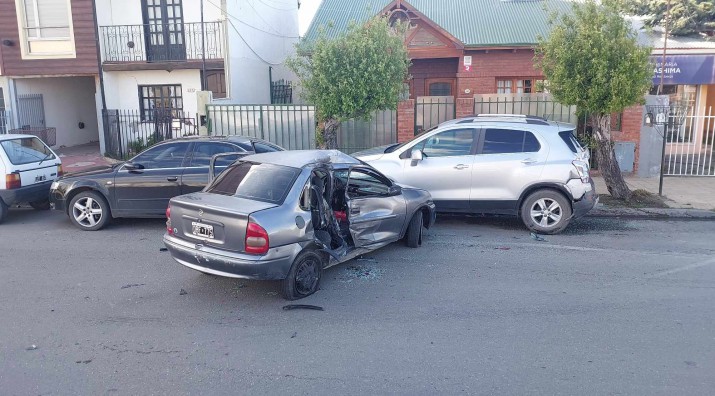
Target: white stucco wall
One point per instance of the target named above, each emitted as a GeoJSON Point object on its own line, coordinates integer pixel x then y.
{"type": "Point", "coordinates": [122, 88]}
{"type": "Point", "coordinates": [259, 36]}
{"type": "Point", "coordinates": [67, 101]}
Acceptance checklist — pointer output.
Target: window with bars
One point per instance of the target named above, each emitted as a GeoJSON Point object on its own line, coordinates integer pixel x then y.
{"type": "Point", "coordinates": [46, 19]}
{"type": "Point", "coordinates": [157, 100]}
{"type": "Point", "coordinates": [520, 85]}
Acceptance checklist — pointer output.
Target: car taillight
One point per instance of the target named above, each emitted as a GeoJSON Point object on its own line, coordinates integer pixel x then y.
{"type": "Point", "coordinates": [12, 181]}
{"type": "Point", "coordinates": [60, 172]}
{"type": "Point", "coordinates": [256, 239]}
{"type": "Point", "coordinates": [169, 228]}
{"type": "Point", "coordinates": [582, 170]}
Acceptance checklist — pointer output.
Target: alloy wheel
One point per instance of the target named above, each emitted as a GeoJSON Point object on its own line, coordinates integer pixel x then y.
{"type": "Point", "coordinates": [546, 212]}
{"type": "Point", "coordinates": [306, 278]}
{"type": "Point", "coordinates": [87, 212]}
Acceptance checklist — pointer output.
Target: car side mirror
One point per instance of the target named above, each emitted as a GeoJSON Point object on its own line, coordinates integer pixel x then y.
{"type": "Point", "coordinates": [130, 166]}
{"type": "Point", "coordinates": [394, 190]}
{"type": "Point", "coordinates": [416, 156]}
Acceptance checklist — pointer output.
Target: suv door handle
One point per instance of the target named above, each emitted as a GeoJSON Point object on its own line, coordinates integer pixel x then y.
{"type": "Point", "coordinates": [461, 166]}
{"type": "Point", "coordinates": [529, 161]}
{"type": "Point", "coordinates": [172, 178]}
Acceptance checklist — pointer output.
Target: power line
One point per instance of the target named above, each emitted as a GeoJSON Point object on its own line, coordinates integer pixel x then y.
{"type": "Point", "coordinates": [275, 8]}
{"type": "Point", "coordinates": [225, 13]}
{"type": "Point", "coordinates": [260, 17]}
{"type": "Point", "coordinates": [251, 48]}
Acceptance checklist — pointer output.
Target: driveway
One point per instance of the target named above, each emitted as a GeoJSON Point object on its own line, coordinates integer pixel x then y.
{"type": "Point", "coordinates": [610, 307]}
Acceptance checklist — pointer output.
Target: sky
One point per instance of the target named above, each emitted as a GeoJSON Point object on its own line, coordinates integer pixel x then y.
{"type": "Point", "coordinates": [306, 13]}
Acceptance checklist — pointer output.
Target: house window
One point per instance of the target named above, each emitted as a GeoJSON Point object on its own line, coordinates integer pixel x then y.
{"type": "Point", "coordinates": [440, 87]}
{"type": "Point", "coordinates": [526, 85]}
{"type": "Point", "coordinates": [46, 19]}
{"type": "Point", "coordinates": [158, 100]}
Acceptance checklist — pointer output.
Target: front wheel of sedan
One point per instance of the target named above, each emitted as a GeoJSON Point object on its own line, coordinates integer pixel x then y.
{"type": "Point", "coordinates": [304, 276]}
{"type": "Point", "coordinates": [413, 237]}
{"type": "Point", "coordinates": [546, 212]}
{"type": "Point", "coordinates": [89, 211]}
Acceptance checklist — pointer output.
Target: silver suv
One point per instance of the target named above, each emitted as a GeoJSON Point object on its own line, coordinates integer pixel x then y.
{"type": "Point", "coordinates": [496, 164]}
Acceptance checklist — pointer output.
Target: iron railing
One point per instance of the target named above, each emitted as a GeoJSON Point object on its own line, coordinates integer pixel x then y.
{"type": "Point", "coordinates": [5, 121]}
{"type": "Point", "coordinates": [127, 132]}
{"type": "Point", "coordinates": [289, 126]}
{"type": "Point", "coordinates": [690, 143]}
{"type": "Point", "coordinates": [281, 92]}
{"type": "Point", "coordinates": [431, 111]}
{"type": "Point", "coordinates": [162, 42]}
{"type": "Point", "coordinates": [537, 104]}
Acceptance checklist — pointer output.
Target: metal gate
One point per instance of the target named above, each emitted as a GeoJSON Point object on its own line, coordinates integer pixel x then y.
{"type": "Point", "coordinates": [31, 111]}
{"type": "Point", "coordinates": [690, 144]}
{"type": "Point", "coordinates": [431, 111]}
{"type": "Point", "coordinates": [536, 104]}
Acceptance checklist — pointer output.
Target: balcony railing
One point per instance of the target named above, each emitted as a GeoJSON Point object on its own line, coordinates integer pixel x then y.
{"type": "Point", "coordinates": [173, 42]}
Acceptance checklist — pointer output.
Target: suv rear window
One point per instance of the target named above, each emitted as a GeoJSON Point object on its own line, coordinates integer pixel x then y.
{"type": "Point", "coordinates": [26, 150]}
{"type": "Point", "coordinates": [259, 182]}
{"type": "Point", "coordinates": [570, 140]}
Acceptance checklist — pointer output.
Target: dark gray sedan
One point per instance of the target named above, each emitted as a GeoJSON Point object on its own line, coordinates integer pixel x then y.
{"type": "Point", "coordinates": [289, 215]}
{"type": "Point", "coordinates": [142, 186]}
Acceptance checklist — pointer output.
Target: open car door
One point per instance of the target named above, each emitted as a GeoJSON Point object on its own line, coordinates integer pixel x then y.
{"type": "Point", "coordinates": [376, 208]}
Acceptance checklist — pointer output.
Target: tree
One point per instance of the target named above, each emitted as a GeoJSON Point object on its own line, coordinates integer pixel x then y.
{"type": "Point", "coordinates": [686, 16]}
{"type": "Point", "coordinates": [361, 71]}
{"type": "Point", "coordinates": [591, 59]}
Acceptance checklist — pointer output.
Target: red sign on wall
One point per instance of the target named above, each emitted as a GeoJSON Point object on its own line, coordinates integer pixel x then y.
{"type": "Point", "coordinates": [467, 63]}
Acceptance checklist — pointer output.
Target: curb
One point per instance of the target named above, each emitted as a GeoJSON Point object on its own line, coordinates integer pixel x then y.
{"type": "Point", "coordinates": [651, 213]}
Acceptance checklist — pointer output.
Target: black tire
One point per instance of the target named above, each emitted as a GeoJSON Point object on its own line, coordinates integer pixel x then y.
{"type": "Point", "coordinates": [3, 210]}
{"type": "Point", "coordinates": [304, 276]}
{"type": "Point", "coordinates": [96, 211]}
{"type": "Point", "coordinates": [546, 212]}
{"type": "Point", "coordinates": [41, 205]}
{"type": "Point", "coordinates": [413, 237]}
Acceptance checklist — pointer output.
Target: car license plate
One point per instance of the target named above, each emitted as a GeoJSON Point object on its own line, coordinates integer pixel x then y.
{"type": "Point", "coordinates": [202, 230]}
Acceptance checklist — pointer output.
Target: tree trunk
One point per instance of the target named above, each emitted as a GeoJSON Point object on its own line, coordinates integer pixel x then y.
{"type": "Point", "coordinates": [606, 157]}
{"type": "Point", "coordinates": [330, 134]}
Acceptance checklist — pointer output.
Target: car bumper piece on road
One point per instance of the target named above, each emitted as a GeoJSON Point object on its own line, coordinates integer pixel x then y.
{"type": "Point", "coordinates": [35, 192]}
{"type": "Point", "coordinates": [229, 264]}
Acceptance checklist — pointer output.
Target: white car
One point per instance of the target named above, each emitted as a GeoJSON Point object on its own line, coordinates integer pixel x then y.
{"type": "Point", "coordinates": [496, 164]}
{"type": "Point", "coordinates": [27, 170]}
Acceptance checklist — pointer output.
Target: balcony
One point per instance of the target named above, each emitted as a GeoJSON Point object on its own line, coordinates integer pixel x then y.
{"type": "Point", "coordinates": [162, 46]}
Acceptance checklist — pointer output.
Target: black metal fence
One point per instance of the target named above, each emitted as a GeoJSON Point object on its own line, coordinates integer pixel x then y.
{"type": "Point", "coordinates": [281, 92]}
{"type": "Point", "coordinates": [5, 121]}
{"type": "Point", "coordinates": [379, 130]}
{"type": "Point", "coordinates": [162, 42]}
{"type": "Point", "coordinates": [127, 132]}
{"type": "Point", "coordinates": [431, 111]}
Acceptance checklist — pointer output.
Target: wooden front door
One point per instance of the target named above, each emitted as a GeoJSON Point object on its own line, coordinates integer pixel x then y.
{"type": "Point", "coordinates": [164, 30]}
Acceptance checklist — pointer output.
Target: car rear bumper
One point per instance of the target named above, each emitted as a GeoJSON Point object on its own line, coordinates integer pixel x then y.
{"type": "Point", "coordinates": [586, 203]}
{"type": "Point", "coordinates": [272, 266]}
{"type": "Point", "coordinates": [35, 192]}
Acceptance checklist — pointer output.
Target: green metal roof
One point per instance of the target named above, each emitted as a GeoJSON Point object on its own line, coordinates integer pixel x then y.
{"type": "Point", "coordinates": [477, 23]}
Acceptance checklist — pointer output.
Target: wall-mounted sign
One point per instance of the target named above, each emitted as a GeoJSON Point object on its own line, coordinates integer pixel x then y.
{"type": "Point", "coordinates": [467, 63]}
{"type": "Point", "coordinates": [684, 69]}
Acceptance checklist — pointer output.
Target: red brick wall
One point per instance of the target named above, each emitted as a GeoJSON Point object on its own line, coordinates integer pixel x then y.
{"type": "Point", "coordinates": [405, 120]}
{"type": "Point", "coordinates": [423, 69]}
{"type": "Point", "coordinates": [488, 66]}
{"type": "Point", "coordinates": [631, 129]}
{"type": "Point", "coordinates": [465, 107]}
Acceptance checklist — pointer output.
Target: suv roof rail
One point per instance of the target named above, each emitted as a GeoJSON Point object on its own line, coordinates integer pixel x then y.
{"type": "Point", "coordinates": [530, 119]}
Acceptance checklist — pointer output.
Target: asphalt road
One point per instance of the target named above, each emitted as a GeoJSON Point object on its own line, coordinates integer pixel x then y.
{"type": "Point", "coordinates": [610, 307]}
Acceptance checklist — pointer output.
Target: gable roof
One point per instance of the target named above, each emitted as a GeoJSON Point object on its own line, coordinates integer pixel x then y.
{"type": "Point", "coordinates": [476, 23]}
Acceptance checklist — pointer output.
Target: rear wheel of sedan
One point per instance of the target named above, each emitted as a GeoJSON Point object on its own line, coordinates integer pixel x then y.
{"type": "Point", "coordinates": [413, 237]}
{"type": "Point", "coordinates": [304, 276]}
{"type": "Point", "coordinates": [3, 210]}
{"type": "Point", "coordinates": [546, 212]}
{"type": "Point", "coordinates": [41, 205]}
{"type": "Point", "coordinates": [89, 211]}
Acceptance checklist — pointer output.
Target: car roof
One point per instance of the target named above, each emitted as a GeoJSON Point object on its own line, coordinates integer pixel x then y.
{"type": "Point", "coordinates": [302, 158]}
{"type": "Point", "coordinates": [513, 119]}
{"type": "Point", "coordinates": [230, 138]}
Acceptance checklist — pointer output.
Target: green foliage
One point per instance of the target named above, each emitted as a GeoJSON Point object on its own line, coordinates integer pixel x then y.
{"type": "Point", "coordinates": [361, 71]}
{"type": "Point", "coordinates": [140, 145]}
{"type": "Point", "coordinates": [686, 16]}
{"type": "Point", "coordinates": [592, 60]}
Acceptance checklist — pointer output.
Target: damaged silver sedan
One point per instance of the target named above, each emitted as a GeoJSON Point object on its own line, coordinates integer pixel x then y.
{"type": "Point", "coordinates": [287, 216]}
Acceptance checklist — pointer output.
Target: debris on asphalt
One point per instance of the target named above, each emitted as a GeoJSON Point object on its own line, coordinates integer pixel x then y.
{"type": "Point", "coordinates": [163, 249]}
{"type": "Point", "coordinates": [291, 307]}
{"type": "Point", "coordinates": [295, 334]}
{"type": "Point", "coordinates": [182, 292]}
{"type": "Point", "coordinates": [362, 272]}
{"type": "Point", "coordinates": [537, 237]}
{"type": "Point", "coordinates": [502, 248]}
{"type": "Point", "coordinates": [366, 260]}
{"type": "Point", "coordinates": [133, 285]}
{"type": "Point", "coordinates": [31, 347]}
{"type": "Point", "coordinates": [84, 361]}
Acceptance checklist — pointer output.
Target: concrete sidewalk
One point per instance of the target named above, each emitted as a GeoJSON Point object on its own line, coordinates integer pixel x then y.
{"type": "Point", "coordinates": [680, 192]}
{"type": "Point", "coordinates": [79, 158]}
